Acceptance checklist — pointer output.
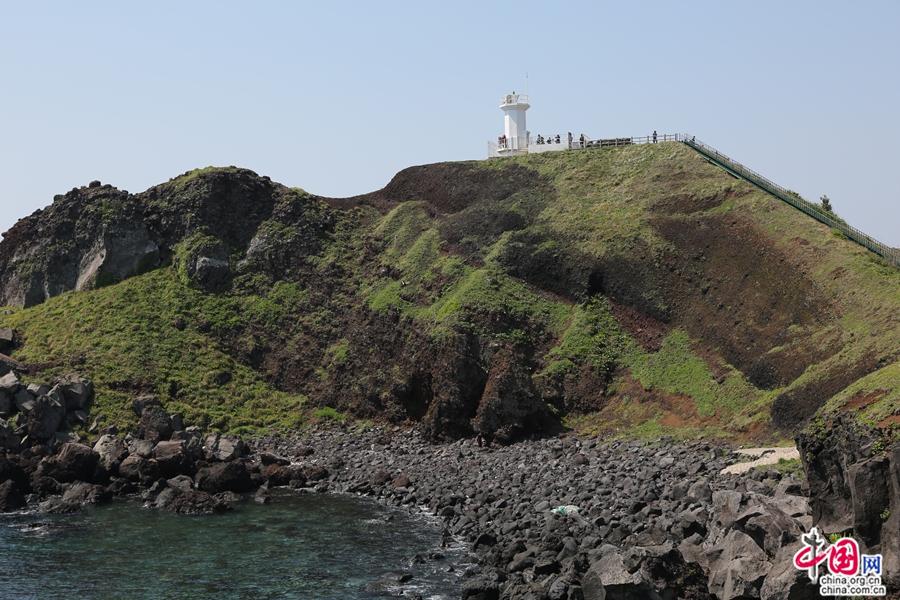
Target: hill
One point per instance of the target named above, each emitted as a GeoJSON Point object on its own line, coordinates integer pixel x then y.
{"type": "Point", "coordinates": [636, 290]}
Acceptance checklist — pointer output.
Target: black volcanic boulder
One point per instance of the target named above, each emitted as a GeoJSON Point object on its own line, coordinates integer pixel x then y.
{"type": "Point", "coordinates": [111, 451]}
{"type": "Point", "coordinates": [7, 340]}
{"type": "Point", "coordinates": [222, 448]}
{"type": "Point", "coordinates": [172, 458]}
{"type": "Point", "coordinates": [76, 389]}
{"type": "Point", "coordinates": [86, 493]}
{"type": "Point", "coordinates": [74, 462]}
{"type": "Point", "coordinates": [45, 417]}
{"type": "Point", "coordinates": [317, 473]}
{"type": "Point", "coordinates": [12, 468]}
{"type": "Point", "coordinates": [224, 477]}
{"type": "Point", "coordinates": [280, 474]}
{"type": "Point", "coordinates": [193, 442]}
{"type": "Point", "coordinates": [139, 469]}
{"type": "Point", "coordinates": [480, 588]}
{"type": "Point", "coordinates": [10, 384]}
{"type": "Point", "coordinates": [155, 424]}
{"type": "Point", "coordinates": [190, 502]}
{"type": "Point", "coordinates": [142, 402]}
{"type": "Point", "coordinates": [58, 506]}
{"type": "Point", "coordinates": [8, 437]}
{"type": "Point", "coordinates": [10, 497]}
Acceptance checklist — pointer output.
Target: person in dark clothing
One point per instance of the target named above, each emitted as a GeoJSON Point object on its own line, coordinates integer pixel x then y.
{"type": "Point", "coordinates": [654, 136]}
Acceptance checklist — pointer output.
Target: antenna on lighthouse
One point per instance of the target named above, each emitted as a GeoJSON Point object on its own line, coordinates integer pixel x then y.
{"type": "Point", "coordinates": [526, 83]}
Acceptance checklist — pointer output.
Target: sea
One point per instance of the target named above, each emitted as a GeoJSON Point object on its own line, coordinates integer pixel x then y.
{"type": "Point", "coordinates": [302, 545]}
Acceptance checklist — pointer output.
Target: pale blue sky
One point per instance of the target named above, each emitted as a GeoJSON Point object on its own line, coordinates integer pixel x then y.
{"type": "Point", "coordinates": [336, 97]}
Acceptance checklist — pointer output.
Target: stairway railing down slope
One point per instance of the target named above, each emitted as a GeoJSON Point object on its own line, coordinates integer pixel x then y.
{"type": "Point", "coordinates": [813, 210]}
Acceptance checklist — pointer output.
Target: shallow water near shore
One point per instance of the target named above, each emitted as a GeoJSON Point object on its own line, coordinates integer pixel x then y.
{"type": "Point", "coordinates": [311, 546]}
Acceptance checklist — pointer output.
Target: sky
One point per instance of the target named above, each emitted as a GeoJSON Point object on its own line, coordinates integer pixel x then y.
{"type": "Point", "coordinates": [336, 97]}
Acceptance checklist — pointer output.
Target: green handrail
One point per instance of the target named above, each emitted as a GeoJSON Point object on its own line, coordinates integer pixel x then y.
{"type": "Point", "coordinates": [738, 170]}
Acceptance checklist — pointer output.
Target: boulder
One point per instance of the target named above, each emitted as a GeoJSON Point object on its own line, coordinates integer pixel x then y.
{"type": "Point", "coordinates": [111, 451]}
{"type": "Point", "coordinates": [480, 587]}
{"type": "Point", "coordinates": [172, 458]}
{"type": "Point", "coordinates": [58, 506]}
{"type": "Point", "coordinates": [189, 502]}
{"type": "Point", "coordinates": [381, 478]}
{"type": "Point", "coordinates": [10, 497]}
{"type": "Point", "coordinates": [792, 506]}
{"type": "Point", "coordinates": [45, 486]}
{"type": "Point", "coordinates": [788, 486]}
{"type": "Point", "coordinates": [316, 473]}
{"type": "Point", "coordinates": [652, 572]}
{"type": "Point", "coordinates": [222, 448]}
{"type": "Point", "coordinates": [86, 493]}
{"type": "Point", "coordinates": [785, 581]}
{"type": "Point", "coordinates": [700, 491]}
{"type": "Point", "coordinates": [193, 441]}
{"type": "Point", "coordinates": [77, 417]}
{"type": "Point", "coordinates": [10, 383]}
{"type": "Point", "coordinates": [177, 422]}
{"type": "Point", "coordinates": [6, 404]}
{"type": "Point", "coordinates": [771, 529]}
{"type": "Point", "coordinates": [74, 462]}
{"type": "Point", "coordinates": [76, 389]}
{"type": "Point", "coordinates": [24, 400]}
{"type": "Point", "coordinates": [142, 402]}
{"type": "Point", "coordinates": [121, 487]}
{"type": "Point", "coordinates": [13, 468]}
{"type": "Point", "coordinates": [37, 389]}
{"type": "Point", "coordinates": [63, 437]}
{"type": "Point", "coordinates": [279, 475]}
{"type": "Point", "coordinates": [8, 437]}
{"type": "Point", "coordinates": [262, 495]}
{"type": "Point", "coordinates": [181, 482]}
{"type": "Point", "coordinates": [139, 469]}
{"type": "Point", "coordinates": [7, 340]}
{"type": "Point", "coordinates": [142, 448]}
{"type": "Point", "coordinates": [267, 458]}
{"type": "Point", "coordinates": [45, 418]}
{"type": "Point", "coordinates": [155, 424]}
{"type": "Point", "coordinates": [224, 477]}
{"type": "Point", "coordinates": [737, 566]}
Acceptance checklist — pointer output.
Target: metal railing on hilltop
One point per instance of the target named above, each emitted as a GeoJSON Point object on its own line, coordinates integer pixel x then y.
{"type": "Point", "coordinates": [813, 210]}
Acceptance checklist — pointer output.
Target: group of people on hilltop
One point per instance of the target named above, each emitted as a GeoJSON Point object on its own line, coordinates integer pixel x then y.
{"type": "Point", "coordinates": [540, 140]}
{"type": "Point", "coordinates": [548, 140]}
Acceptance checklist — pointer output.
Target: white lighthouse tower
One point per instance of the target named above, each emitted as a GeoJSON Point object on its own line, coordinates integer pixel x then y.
{"type": "Point", "coordinates": [514, 141]}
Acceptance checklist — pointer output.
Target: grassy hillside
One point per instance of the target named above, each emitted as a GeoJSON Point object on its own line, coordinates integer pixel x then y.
{"type": "Point", "coordinates": [640, 290]}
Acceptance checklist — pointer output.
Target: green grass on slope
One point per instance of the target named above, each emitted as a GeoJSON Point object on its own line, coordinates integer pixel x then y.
{"type": "Point", "coordinates": [130, 343]}
{"type": "Point", "coordinates": [676, 369]}
{"type": "Point", "coordinates": [440, 290]}
{"type": "Point", "coordinates": [602, 196]}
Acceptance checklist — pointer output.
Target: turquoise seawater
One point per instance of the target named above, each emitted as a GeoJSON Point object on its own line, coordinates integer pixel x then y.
{"type": "Point", "coordinates": [310, 546]}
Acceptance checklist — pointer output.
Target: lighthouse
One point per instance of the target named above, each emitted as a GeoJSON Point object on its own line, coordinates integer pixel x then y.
{"type": "Point", "coordinates": [514, 141]}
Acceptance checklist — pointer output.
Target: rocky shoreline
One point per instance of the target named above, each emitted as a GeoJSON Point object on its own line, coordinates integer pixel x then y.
{"type": "Point", "coordinates": [545, 518]}
{"type": "Point", "coordinates": [645, 520]}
